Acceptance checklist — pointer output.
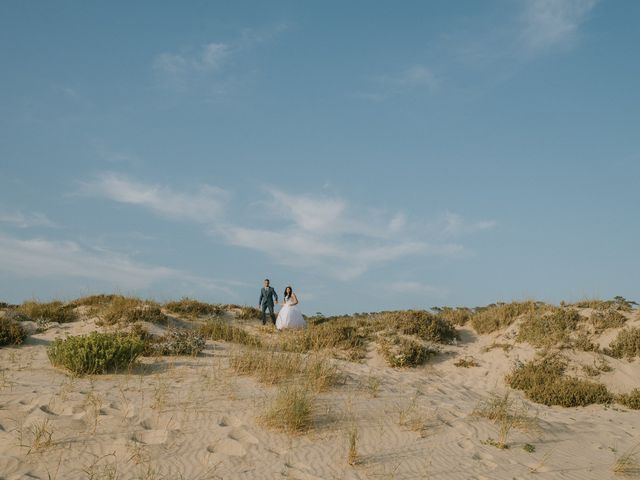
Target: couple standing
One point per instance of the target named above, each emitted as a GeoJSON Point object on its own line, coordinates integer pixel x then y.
{"type": "Point", "coordinates": [289, 315]}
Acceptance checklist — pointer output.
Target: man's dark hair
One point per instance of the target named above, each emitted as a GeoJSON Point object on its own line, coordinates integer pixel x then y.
{"type": "Point", "coordinates": [266, 280]}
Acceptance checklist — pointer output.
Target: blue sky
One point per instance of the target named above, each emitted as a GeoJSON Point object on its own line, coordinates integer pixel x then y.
{"type": "Point", "coordinates": [374, 155]}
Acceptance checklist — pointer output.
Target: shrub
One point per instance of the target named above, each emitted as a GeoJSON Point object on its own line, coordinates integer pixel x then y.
{"type": "Point", "coordinates": [420, 323]}
{"type": "Point", "coordinates": [494, 317]}
{"type": "Point", "coordinates": [584, 343]}
{"type": "Point", "coordinates": [217, 329]}
{"type": "Point", "coordinates": [404, 352]}
{"type": "Point", "coordinates": [95, 353]}
{"type": "Point", "coordinates": [99, 300]}
{"type": "Point", "coordinates": [52, 311]}
{"type": "Point", "coordinates": [626, 344]}
{"type": "Point", "coordinates": [132, 310]}
{"type": "Point", "coordinates": [543, 381]}
{"type": "Point", "coordinates": [11, 332]}
{"type": "Point", "coordinates": [455, 316]}
{"type": "Point", "coordinates": [507, 414]}
{"type": "Point", "coordinates": [548, 329]}
{"type": "Point", "coordinates": [339, 334]}
{"type": "Point", "coordinates": [618, 303]}
{"type": "Point", "coordinates": [193, 308]}
{"type": "Point", "coordinates": [290, 410]}
{"type": "Point", "coordinates": [631, 399]}
{"type": "Point", "coordinates": [603, 319]}
{"type": "Point", "coordinates": [176, 342]}
{"type": "Point", "coordinates": [248, 313]}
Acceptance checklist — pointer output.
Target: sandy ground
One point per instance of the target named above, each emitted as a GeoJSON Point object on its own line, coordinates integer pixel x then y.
{"type": "Point", "coordinates": [193, 418]}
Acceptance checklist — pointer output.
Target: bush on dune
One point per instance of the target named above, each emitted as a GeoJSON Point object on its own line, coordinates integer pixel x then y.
{"type": "Point", "coordinates": [420, 323]}
{"type": "Point", "coordinates": [194, 308]}
{"type": "Point", "coordinates": [404, 352]}
{"type": "Point", "coordinates": [455, 315]}
{"type": "Point", "coordinates": [217, 329]}
{"type": "Point", "coordinates": [626, 344]}
{"type": "Point", "coordinates": [55, 311]}
{"type": "Point", "coordinates": [11, 332]}
{"type": "Point", "coordinates": [495, 317]}
{"type": "Point", "coordinates": [132, 310]}
{"type": "Point", "coordinates": [176, 342]}
{"type": "Point", "coordinates": [548, 329]}
{"type": "Point", "coordinates": [95, 353]}
{"type": "Point", "coordinates": [631, 399]}
{"type": "Point", "coordinates": [604, 319]}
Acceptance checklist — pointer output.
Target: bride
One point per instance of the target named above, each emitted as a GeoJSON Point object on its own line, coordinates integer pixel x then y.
{"type": "Point", "coordinates": [290, 315]}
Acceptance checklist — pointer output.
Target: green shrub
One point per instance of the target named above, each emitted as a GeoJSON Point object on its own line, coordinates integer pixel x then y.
{"type": "Point", "coordinates": [176, 342]}
{"type": "Point", "coordinates": [603, 319]}
{"type": "Point", "coordinates": [626, 344]}
{"type": "Point", "coordinates": [11, 332]}
{"type": "Point", "coordinates": [548, 329]}
{"type": "Point", "coordinates": [193, 308]}
{"type": "Point", "coordinates": [495, 317]}
{"type": "Point", "coordinates": [584, 343]}
{"type": "Point", "coordinates": [52, 311]}
{"type": "Point", "coordinates": [543, 381]}
{"type": "Point", "coordinates": [217, 329]}
{"type": "Point", "coordinates": [95, 353]}
{"type": "Point", "coordinates": [404, 352]}
{"type": "Point", "coordinates": [425, 325]}
{"type": "Point", "coordinates": [631, 399]}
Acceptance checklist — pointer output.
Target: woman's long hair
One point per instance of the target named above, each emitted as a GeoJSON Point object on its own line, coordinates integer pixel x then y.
{"type": "Point", "coordinates": [290, 292]}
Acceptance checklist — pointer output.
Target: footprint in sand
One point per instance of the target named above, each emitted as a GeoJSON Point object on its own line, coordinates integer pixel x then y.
{"type": "Point", "coordinates": [151, 437]}
{"type": "Point", "coordinates": [235, 444]}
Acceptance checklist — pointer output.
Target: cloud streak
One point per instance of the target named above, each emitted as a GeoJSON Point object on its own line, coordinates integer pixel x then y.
{"type": "Point", "coordinates": [21, 220]}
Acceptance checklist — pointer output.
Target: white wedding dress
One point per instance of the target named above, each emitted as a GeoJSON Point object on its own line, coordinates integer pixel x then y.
{"type": "Point", "coordinates": [290, 316]}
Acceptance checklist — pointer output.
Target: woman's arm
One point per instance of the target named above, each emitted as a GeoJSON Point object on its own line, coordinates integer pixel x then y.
{"type": "Point", "coordinates": [294, 299]}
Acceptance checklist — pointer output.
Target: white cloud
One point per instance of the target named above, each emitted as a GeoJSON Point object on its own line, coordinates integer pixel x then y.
{"type": "Point", "coordinates": [553, 23]}
{"type": "Point", "coordinates": [21, 220]}
{"type": "Point", "coordinates": [203, 205]}
{"type": "Point", "coordinates": [41, 258]}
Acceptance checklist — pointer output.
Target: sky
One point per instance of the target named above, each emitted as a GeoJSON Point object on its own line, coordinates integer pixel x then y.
{"type": "Point", "coordinates": [372, 155]}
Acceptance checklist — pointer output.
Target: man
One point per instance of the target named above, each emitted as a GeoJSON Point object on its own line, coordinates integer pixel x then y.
{"type": "Point", "coordinates": [267, 294]}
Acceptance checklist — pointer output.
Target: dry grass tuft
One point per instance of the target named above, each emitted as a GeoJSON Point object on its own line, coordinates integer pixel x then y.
{"type": "Point", "coordinates": [631, 399]}
{"type": "Point", "coordinates": [404, 352]}
{"type": "Point", "coordinates": [497, 316]}
{"type": "Point", "coordinates": [55, 311]}
{"type": "Point", "coordinates": [194, 308]}
{"type": "Point", "coordinates": [217, 329]}
{"type": "Point", "coordinates": [352, 455]}
{"type": "Point", "coordinates": [549, 328]}
{"type": "Point", "coordinates": [467, 362]}
{"type": "Point", "coordinates": [132, 310]}
{"type": "Point", "coordinates": [507, 414]}
{"type": "Point", "coordinates": [603, 319]}
{"type": "Point", "coordinates": [626, 344]}
{"type": "Point", "coordinates": [11, 332]}
{"type": "Point", "coordinates": [628, 463]}
{"type": "Point", "coordinates": [290, 411]}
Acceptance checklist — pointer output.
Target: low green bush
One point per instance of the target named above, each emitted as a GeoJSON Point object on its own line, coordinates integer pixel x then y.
{"type": "Point", "coordinates": [626, 344]}
{"type": "Point", "coordinates": [548, 329]}
{"type": "Point", "coordinates": [421, 323]}
{"type": "Point", "coordinates": [55, 311]}
{"type": "Point", "coordinates": [11, 332]}
{"type": "Point", "coordinates": [96, 353]}
{"type": "Point", "coordinates": [543, 381]}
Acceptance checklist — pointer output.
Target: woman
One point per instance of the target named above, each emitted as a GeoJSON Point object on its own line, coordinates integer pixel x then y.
{"type": "Point", "coordinates": [290, 315]}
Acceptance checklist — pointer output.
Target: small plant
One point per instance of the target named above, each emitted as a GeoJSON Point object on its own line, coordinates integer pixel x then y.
{"type": "Point", "coordinates": [373, 385]}
{"type": "Point", "coordinates": [176, 342]}
{"type": "Point", "coordinates": [631, 399]}
{"type": "Point", "coordinates": [290, 411]}
{"type": "Point", "coordinates": [404, 352]}
{"type": "Point", "coordinates": [628, 463]}
{"type": "Point", "coordinates": [95, 353]}
{"type": "Point", "coordinates": [217, 329]}
{"type": "Point", "coordinates": [42, 434]}
{"type": "Point", "coordinates": [352, 455]}
{"type": "Point", "coordinates": [507, 414]}
{"type": "Point", "coordinates": [548, 329]}
{"type": "Point", "coordinates": [194, 308]}
{"type": "Point", "coordinates": [11, 332]}
{"type": "Point", "coordinates": [52, 311]}
{"type": "Point", "coordinates": [527, 447]}
{"type": "Point", "coordinates": [467, 362]}
{"type": "Point", "coordinates": [543, 381]}
{"type": "Point", "coordinates": [626, 344]}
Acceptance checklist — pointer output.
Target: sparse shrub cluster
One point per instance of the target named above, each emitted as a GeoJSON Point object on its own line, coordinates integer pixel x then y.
{"type": "Point", "coordinates": [421, 323]}
{"type": "Point", "coordinates": [217, 329]}
{"type": "Point", "coordinates": [455, 315]}
{"type": "Point", "coordinates": [543, 381]}
{"type": "Point", "coordinates": [52, 311]}
{"type": "Point", "coordinates": [617, 303]}
{"type": "Point", "coordinates": [248, 313]}
{"type": "Point", "coordinates": [132, 310]}
{"type": "Point", "coordinates": [584, 343]}
{"type": "Point", "coordinates": [194, 308]}
{"type": "Point", "coordinates": [340, 335]}
{"type": "Point", "coordinates": [176, 342]}
{"type": "Point", "coordinates": [610, 318]}
{"type": "Point", "coordinates": [404, 352]}
{"type": "Point", "coordinates": [96, 353]}
{"type": "Point", "coordinates": [11, 332]}
{"type": "Point", "coordinates": [99, 300]}
{"type": "Point", "coordinates": [548, 329]}
{"type": "Point", "coordinates": [626, 344]}
{"type": "Point", "coordinates": [631, 399]}
{"type": "Point", "coordinates": [497, 316]}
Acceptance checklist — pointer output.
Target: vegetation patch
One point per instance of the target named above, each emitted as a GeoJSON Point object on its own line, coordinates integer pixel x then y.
{"type": "Point", "coordinates": [55, 311]}
{"type": "Point", "coordinates": [290, 411]}
{"type": "Point", "coordinates": [467, 362]}
{"type": "Point", "coordinates": [497, 316]}
{"type": "Point", "coordinates": [543, 381]}
{"type": "Point", "coordinates": [96, 353]}
{"type": "Point", "coordinates": [11, 332]}
{"type": "Point", "coordinates": [99, 300]}
{"type": "Point", "coordinates": [340, 335]}
{"type": "Point", "coordinates": [631, 399]}
{"type": "Point", "coordinates": [176, 342]}
{"type": "Point", "coordinates": [454, 315]}
{"type": "Point", "coordinates": [421, 323]}
{"type": "Point", "coordinates": [404, 352]}
{"type": "Point", "coordinates": [617, 303]}
{"type": "Point", "coordinates": [507, 414]}
{"type": "Point", "coordinates": [548, 329]}
{"type": "Point", "coordinates": [194, 308]}
{"type": "Point", "coordinates": [248, 313]}
{"type": "Point", "coordinates": [604, 319]}
{"type": "Point", "coordinates": [626, 344]}
{"type": "Point", "coordinates": [218, 329]}
{"type": "Point", "coordinates": [132, 310]}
